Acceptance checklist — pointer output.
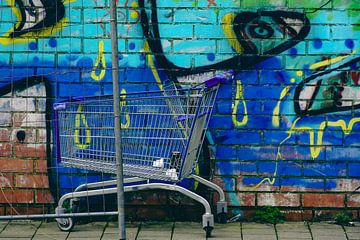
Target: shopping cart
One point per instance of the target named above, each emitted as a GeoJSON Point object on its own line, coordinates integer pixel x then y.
{"type": "Point", "coordinates": [161, 138]}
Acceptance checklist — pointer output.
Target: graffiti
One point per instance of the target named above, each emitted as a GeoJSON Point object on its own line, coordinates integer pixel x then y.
{"type": "Point", "coordinates": [239, 97]}
{"type": "Point", "coordinates": [100, 64]}
{"type": "Point", "coordinates": [331, 90]}
{"type": "Point", "coordinates": [288, 119]}
{"type": "Point", "coordinates": [246, 26]}
{"type": "Point", "coordinates": [81, 118]}
{"type": "Point", "coordinates": [35, 18]}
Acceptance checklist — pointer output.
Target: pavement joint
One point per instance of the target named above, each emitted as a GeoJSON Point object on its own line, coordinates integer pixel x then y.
{"type": "Point", "coordinates": [37, 228]}
{"type": "Point", "coordinates": [309, 228]}
{"type": "Point", "coordinates": [343, 228]}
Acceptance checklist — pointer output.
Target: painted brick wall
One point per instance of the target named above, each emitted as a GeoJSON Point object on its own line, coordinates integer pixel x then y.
{"type": "Point", "coordinates": [284, 131]}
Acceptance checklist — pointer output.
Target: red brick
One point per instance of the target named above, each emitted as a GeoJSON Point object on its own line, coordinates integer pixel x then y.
{"type": "Point", "coordinates": [298, 215]}
{"type": "Point", "coordinates": [30, 150]}
{"type": "Point", "coordinates": [32, 181]}
{"type": "Point", "coordinates": [15, 165]}
{"type": "Point", "coordinates": [41, 166]}
{"type": "Point", "coordinates": [6, 180]}
{"type": "Point", "coordinates": [16, 196]}
{"type": "Point", "coordinates": [4, 135]}
{"type": "Point", "coordinates": [354, 200]}
{"type": "Point", "coordinates": [323, 200]}
{"type": "Point", "coordinates": [43, 196]}
{"type": "Point", "coordinates": [278, 199]}
{"type": "Point", "coordinates": [246, 199]}
{"type": "Point", "coordinates": [5, 149]}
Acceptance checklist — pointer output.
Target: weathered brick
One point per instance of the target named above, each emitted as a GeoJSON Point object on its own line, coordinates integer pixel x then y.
{"type": "Point", "coordinates": [32, 181]}
{"type": "Point", "coordinates": [323, 200]}
{"type": "Point", "coordinates": [5, 149]}
{"type": "Point", "coordinates": [16, 196]}
{"type": "Point", "coordinates": [4, 135]}
{"type": "Point", "coordinates": [30, 150]}
{"type": "Point", "coordinates": [43, 196]}
{"type": "Point", "coordinates": [278, 199]}
{"type": "Point", "coordinates": [353, 200]}
{"type": "Point", "coordinates": [6, 180]}
{"type": "Point", "coordinates": [41, 166]}
{"type": "Point", "coordinates": [298, 215]}
{"type": "Point", "coordinates": [16, 165]}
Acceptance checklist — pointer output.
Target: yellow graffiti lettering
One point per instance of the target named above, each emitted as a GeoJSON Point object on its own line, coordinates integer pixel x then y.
{"type": "Point", "coordinates": [315, 148]}
{"type": "Point", "coordinates": [239, 97]}
{"type": "Point", "coordinates": [228, 21]}
{"type": "Point", "coordinates": [100, 59]}
{"type": "Point", "coordinates": [328, 62]}
{"type": "Point", "coordinates": [80, 118]}
{"type": "Point", "coordinates": [126, 110]}
{"type": "Point", "coordinates": [152, 65]}
{"type": "Point", "coordinates": [276, 112]}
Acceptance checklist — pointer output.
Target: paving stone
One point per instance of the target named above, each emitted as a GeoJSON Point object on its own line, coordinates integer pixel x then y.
{"type": "Point", "coordinates": [155, 230]}
{"type": "Point", "coordinates": [88, 231]}
{"type": "Point", "coordinates": [324, 231]}
{"type": "Point", "coordinates": [188, 230]}
{"type": "Point", "coordinates": [229, 231]}
{"type": "Point", "coordinates": [293, 230]}
{"type": "Point", "coordinates": [353, 233]}
{"type": "Point", "coordinates": [50, 230]}
{"type": "Point", "coordinates": [258, 231]}
{"type": "Point", "coordinates": [292, 226]}
{"type": "Point", "coordinates": [20, 229]}
{"type": "Point", "coordinates": [111, 231]}
{"type": "Point", "coordinates": [294, 235]}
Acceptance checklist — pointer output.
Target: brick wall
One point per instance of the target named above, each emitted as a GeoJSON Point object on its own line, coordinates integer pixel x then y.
{"type": "Point", "coordinates": [284, 131]}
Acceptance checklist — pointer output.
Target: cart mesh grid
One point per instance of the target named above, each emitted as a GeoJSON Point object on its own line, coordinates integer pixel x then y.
{"type": "Point", "coordinates": [162, 132]}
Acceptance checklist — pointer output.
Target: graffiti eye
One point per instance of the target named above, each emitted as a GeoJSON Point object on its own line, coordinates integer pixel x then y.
{"type": "Point", "coordinates": [261, 30]}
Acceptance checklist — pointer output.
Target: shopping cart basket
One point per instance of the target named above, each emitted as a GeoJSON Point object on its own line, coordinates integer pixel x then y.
{"type": "Point", "coordinates": [161, 138]}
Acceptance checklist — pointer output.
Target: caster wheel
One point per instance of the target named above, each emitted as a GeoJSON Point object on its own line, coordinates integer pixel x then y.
{"type": "Point", "coordinates": [208, 231]}
{"type": "Point", "coordinates": [221, 217]}
{"type": "Point", "coordinates": [66, 224]}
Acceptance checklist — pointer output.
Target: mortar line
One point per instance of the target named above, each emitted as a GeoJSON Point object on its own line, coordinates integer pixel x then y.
{"type": "Point", "coordinates": [309, 228]}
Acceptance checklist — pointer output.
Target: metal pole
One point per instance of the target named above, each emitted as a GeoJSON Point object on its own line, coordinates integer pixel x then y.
{"type": "Point", "coordinates": [116, 93]}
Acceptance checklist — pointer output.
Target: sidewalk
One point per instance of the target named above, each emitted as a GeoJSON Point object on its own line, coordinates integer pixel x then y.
{"type": "Point", "coordinates": [37, 230]}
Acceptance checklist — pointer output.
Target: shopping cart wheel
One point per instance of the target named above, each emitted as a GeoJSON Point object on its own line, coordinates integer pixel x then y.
{"type": "Point", "coordinates": [66, 224]}
{"type": "Point", "coordinates": [208, 230]}
{"type": "Point", "coordinates": [208, 223]}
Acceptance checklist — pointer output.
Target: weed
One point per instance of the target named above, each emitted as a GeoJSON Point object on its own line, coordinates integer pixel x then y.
{"type": "Point", "coordinates": [269, 214]}
{"type": "Point", "coordinates": [342, 219]}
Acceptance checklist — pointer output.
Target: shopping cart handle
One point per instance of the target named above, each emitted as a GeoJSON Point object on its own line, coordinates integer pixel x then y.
{"type": "Point", "coordinates": [212, 82]}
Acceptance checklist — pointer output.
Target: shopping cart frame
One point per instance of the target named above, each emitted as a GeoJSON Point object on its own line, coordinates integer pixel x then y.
{"type": "Point", "coordinates": [139, 183]}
